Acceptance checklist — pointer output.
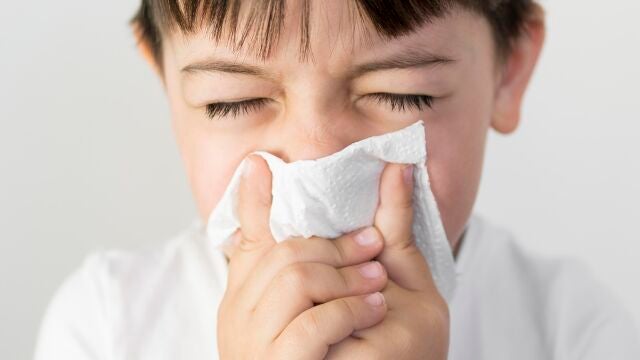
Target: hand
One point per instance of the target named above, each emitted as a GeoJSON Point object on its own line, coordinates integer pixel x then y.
{"type": "Point", "coordinates": [269, 308]}
{"type": "Point", "coordinates": [416, 325]}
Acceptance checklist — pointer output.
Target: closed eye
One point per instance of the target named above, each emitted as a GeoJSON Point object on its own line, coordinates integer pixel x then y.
{"type": "Point", "coordinates": [235, 108]}
{"type": "Point", "coordinates": [397, 102]}
{"type": "Point", "coordinates": [403, 102]}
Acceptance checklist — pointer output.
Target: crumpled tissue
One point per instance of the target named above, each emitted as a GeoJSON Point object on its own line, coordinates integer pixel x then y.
{"type": "Point", "coordinates": [337, 194]}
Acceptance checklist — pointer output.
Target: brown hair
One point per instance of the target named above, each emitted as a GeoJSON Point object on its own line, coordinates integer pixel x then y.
{"type": "Point", "coordinates": [263, 22]}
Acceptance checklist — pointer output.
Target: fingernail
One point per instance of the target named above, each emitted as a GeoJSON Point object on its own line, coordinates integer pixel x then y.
{"type": "Point", "coordinates": [371, 270]}
{"type": "Point", "coordinates": [366, 237]}
{"type": "Point", "coordinates": [375, 299]}
{"type": "Point", "coordinates": [407, 174]}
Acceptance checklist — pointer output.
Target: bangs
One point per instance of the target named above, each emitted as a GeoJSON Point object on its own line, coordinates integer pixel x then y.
{"type": "Point", "coordinates": [254, 26]}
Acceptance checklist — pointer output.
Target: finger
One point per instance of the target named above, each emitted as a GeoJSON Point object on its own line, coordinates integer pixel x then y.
{"type": "Point", "coordinates": [401, 257]}
{"type": "Point", "coordinates": [364, 343]}
{"type": "Point", "coordinates": [328, 323]}
{"type": "Point", "coordinates": [397, 299]}
{"type": "Point", "coordinates": [350, 249]}
{"type": "Point", "coordinates": [354, 347]}
{"type": "Point", "coordinates": [301, 285]}
{"type": "Point", "coordinates": [422, 305]}
{"type": "Point", "coordinates": [254, 238]}
{"type": "Point", "coordinates": [229, 248]}
{"type": "Point", "coordinates": [254, 202]}
{"type": "Point", "coordinates": [408, 313]}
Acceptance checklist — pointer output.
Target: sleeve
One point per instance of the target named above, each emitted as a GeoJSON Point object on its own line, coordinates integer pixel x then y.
{"type": "Point", "coordinates": [595, 324]}
{"type": "Point", "coordinates": [76, 322]}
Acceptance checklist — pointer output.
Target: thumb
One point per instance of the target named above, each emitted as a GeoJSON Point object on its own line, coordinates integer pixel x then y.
{"type": "Point", "coordinates": [254, 238]}
{"type": "Point", "coordinates": [400, 256]}
{"type": "Point", "coordinates": [254, 203]}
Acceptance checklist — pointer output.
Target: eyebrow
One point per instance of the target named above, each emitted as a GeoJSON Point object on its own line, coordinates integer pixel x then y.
{"type": "Point", "coordinates": [408, 59]}
{"type": "Point", "coordinates": [213, 65]}
{"type": "Point", "coordinates": [412, 58]}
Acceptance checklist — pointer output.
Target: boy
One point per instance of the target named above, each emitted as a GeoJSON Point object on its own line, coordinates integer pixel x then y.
{"type": "Point", "coordinates": [303, 80]}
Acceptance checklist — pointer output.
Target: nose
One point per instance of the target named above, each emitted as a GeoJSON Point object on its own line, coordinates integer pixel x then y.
{"type": "Point", "coordinates": [316, 134]}
{"type": "Point", "coordinates": [317, 122]}
{"type": "Point", "coordinates": [316, 137]}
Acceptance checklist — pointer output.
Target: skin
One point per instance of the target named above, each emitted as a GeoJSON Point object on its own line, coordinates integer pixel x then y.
{"type": "Point", "coordinates": [409, 320]}
{"type": "Point", "coordinates": [315, 109]}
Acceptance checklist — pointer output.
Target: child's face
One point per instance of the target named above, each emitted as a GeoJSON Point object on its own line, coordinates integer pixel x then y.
{"type": "Point", "coordinates": [318, 107]}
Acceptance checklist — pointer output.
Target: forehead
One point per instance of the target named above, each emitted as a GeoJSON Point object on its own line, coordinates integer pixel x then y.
{"type": "Point", "coordinates": [334, 32]}
{"type": "Point", "coordinates": [258, 26]}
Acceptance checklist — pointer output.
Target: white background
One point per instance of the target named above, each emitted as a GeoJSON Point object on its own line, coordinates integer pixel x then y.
{"type": "Point", "coordinates": [87, 159]}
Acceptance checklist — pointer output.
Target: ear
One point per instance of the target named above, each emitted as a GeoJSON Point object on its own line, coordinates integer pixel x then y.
{"type": "Point", "coordinates": [145, 50]}
{"type": "Point", "coordinates": [516, 72]}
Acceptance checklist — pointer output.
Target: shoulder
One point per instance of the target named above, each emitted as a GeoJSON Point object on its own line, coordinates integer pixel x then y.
{"type": "Point", "coordinates": [96, 303]}
{"type": "Point", "coordinates": [76, 315]}
{"type": "Point", "coordinates": [555, 303]}
{"type": "Point", "coordinates": [106, 272]}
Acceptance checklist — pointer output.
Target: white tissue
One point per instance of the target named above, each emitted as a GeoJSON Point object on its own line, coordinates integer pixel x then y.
{"type": "Point", "coordinates": [337, 194]}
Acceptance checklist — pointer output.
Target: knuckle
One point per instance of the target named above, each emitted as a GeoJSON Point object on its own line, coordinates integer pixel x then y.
{"type": "Point", "coordinates": [340, 253]}
{"type": "Point", "coordinates": [405, 203]}
{"type": "Point", "coordinates": [343, 280]}
{"type": "Point", "coordinates": [245, 239]}
{"type": "Point", "coordinates": [294, 276]}
{"type": "Point", "coordinates": [250, 239]}
{"type": "Point", "coordinates": [288, 252]}
{"type": "Point", "coordinates": [347, 310]}
{"type": "Point", "coordinates": [310, 324]}
{"type": "Point", "coordinates": [336, 253]}
{"type": "Point", "coordinates": [408, 246]}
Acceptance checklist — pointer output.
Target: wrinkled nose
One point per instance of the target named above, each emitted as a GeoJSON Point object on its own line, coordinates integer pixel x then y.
{"type": "Point", "coordinates": [316, 136]}
{"type": "Point", "coordinates": [319, 120]}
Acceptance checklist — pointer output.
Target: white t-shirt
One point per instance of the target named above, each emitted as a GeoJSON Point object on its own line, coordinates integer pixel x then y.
{"type": "Point", "coordinates": [163, 304]}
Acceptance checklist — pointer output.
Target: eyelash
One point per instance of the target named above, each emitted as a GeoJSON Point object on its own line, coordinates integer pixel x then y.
{"type": "Point", "coordinates": [397, 102]}
{"type": "Point", "coordinates": [401, 102]}
{"type": "Point", "coordinates": [235, 108]}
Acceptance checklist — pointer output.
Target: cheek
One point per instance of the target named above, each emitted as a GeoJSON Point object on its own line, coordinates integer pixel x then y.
{"type": "Point", "coordinates": [456, 140]}
{"type": "Point", "coordinates": [209, 171]}
{"type": "Point", "coordinates": [210, 159]}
